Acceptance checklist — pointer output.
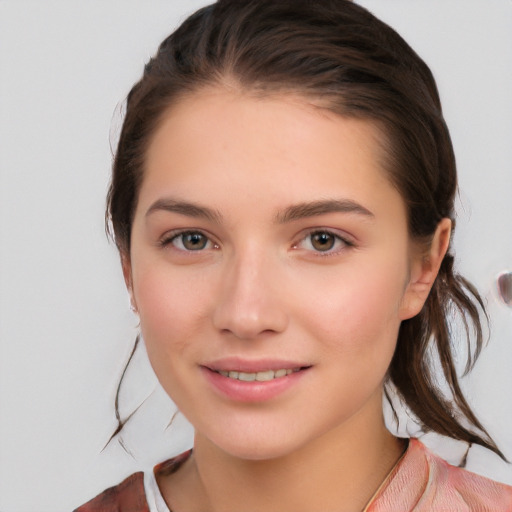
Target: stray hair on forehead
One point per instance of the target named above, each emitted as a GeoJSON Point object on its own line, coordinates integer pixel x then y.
{"type": "Point", "coordinates": [339, 55]}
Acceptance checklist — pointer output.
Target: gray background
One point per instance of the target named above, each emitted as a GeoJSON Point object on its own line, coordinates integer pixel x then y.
{"type": "Point", "coordinates": [65, 324]}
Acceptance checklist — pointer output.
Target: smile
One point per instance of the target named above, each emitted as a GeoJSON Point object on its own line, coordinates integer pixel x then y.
{"type": "Point", "coordinates": [253, 381]}
{"type": "Point", "coordinates": [258, 376]}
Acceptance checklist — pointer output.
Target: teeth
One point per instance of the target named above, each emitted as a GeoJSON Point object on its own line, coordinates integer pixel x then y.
{"type": "Point", "coordinates": [264, 376]}
{"type": "Point", "coordinates": [258, 376]}
{"type": "Point", "coordinates": [247, 377]}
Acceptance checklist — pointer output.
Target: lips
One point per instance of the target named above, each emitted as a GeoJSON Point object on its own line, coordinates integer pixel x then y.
{"type": "Point", "coordinates": [253, 381]}
{"type": "Point", "coordinates": [253, 366]}
{"type": "Point", "coordinates": [263, 376]}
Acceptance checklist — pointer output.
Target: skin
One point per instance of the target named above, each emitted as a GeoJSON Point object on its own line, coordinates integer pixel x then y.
{"type": "Point", "coordinates": [259, 288]}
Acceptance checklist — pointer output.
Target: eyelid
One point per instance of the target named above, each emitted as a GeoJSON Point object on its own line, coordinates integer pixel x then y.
{"type": "Point", "coordinates": [167, 238]}
{"type": "Point", "coordinates": [347, 240]}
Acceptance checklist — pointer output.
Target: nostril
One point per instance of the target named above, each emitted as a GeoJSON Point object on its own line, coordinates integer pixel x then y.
{"type": "Point", "coordinates": [505, 287]}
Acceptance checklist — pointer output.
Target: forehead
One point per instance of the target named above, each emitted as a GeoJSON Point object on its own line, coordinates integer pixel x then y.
{"type": "Point", "coordinates": [221, 141]}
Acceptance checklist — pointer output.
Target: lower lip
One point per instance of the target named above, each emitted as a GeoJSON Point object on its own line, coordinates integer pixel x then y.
{"type": "Point", "coordinates": [253, 391]}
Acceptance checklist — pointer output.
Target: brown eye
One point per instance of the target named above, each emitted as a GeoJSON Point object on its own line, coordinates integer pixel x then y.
{"type": "Point", "coordinates": [191, 241]}
{"type": "Point", "coordinates": [194, 241]}
{"type": "Point", "coordinates": [322, 241]}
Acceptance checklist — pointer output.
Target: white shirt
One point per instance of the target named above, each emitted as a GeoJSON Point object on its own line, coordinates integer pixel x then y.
{"type": "Point", "coordinates": [154, 497]}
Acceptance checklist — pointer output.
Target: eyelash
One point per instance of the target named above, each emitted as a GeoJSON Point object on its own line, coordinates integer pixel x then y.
{"type": "Point", "coordinates": [170, 238]}
{"type": "Point", "coordinates": [338, 239]}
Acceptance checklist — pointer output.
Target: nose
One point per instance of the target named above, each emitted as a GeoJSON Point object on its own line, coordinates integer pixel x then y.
{"type": "Point", "coordinates": [248, 303]}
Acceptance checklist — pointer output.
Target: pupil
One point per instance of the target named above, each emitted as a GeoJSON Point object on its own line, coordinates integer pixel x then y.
{"type": "Point", "coordinates": [323, 241]}
{"type": "Point", "coordinates": [194, 241]}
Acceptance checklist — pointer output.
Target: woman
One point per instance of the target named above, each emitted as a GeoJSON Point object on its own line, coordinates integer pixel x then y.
{"type": "Point", "coordinates": [282, 200]}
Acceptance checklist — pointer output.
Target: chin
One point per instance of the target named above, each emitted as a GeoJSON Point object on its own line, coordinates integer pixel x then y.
{"type": "Point", "coordinates": [261, 446]}
{"type": "Point", "coordinates": [257, 452]}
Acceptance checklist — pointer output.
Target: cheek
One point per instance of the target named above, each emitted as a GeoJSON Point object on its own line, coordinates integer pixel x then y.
{"type": "Point", "coordinates": [172, 315]}
{"type": "Point", "coordinates": [357, 311]}
{"type": "Point", "coordinates": [172, 309]}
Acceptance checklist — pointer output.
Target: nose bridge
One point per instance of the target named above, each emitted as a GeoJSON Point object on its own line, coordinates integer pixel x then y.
{"type": "Point", "coordinates": [248, 304]}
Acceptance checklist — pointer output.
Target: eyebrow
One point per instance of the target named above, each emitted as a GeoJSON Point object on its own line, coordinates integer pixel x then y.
{"type": "Point", "coordinates": [314, 208]}
{"type": "Point", "coordinates": [289, 214]}
{"type": "Point", "coordinates": [185, 208]}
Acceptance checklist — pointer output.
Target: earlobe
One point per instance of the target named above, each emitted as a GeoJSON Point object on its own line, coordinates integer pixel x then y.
{"type": "Point", "coordinates": [424, 270]}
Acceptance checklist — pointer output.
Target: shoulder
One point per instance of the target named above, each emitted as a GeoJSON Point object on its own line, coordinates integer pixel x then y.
{"type": "Point", "coordinates": [425, 482]}
{"type": "Point", "coordinates": [449, 483]}
{"type": "Point", "coordinates": [128, 496]}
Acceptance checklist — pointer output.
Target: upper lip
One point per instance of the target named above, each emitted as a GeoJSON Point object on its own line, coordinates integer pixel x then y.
{"type": "Point", "coordinates": [248, 366]}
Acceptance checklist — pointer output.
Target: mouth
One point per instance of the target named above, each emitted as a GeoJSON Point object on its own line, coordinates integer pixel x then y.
{"type": "Point", "coordinates": [253, 381]}
{"type": "Point", "coordinates": [261, 376]}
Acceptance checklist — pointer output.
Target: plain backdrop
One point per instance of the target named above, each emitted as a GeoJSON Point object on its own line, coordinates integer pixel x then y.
{"type": "Point", "coordinates": [65, 325]}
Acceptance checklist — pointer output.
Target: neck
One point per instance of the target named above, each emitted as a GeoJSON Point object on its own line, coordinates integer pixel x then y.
{"type": "Point", "coordinates": [341, 470]}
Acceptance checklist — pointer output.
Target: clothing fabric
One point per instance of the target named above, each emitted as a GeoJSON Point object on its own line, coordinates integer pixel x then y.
{"type": "Point", "coordinates": [420, 482]}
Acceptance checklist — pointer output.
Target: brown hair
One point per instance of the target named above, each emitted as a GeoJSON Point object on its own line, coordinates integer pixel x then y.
{"type": "Point", "coordinates": [342, 57]}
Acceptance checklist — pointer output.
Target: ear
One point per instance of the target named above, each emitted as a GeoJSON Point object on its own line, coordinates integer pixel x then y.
{"type": "Point", "coordinates": [424, 270]}
{"type": "Point", "coordinates": [127, 274]}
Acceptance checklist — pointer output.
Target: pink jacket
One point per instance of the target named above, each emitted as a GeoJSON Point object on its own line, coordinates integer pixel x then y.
{"type": "Point", "coordinates": [421, 482]}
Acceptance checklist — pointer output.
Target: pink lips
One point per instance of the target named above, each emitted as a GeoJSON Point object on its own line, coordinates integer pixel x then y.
{"type": "Point", "coordinates": [254, 390]}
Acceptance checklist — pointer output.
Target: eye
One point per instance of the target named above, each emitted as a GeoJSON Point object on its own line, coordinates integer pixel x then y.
{"type": "Point", "coordinates": [323, 241]}
{"type": "Point", "coordinates": [189, 241]}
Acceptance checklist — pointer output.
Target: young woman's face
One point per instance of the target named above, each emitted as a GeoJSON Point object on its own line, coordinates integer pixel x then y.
{"type": "Point", "coordinates": [269, 264]}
